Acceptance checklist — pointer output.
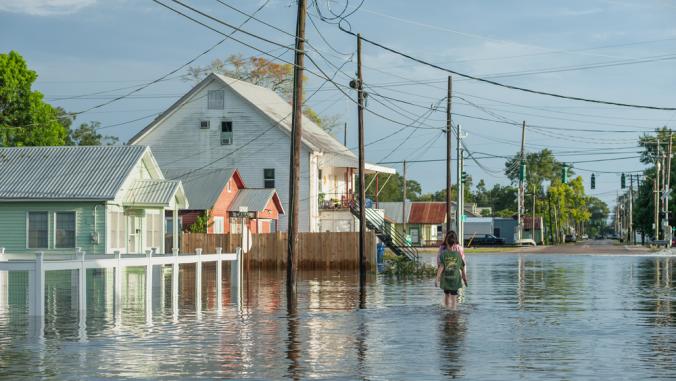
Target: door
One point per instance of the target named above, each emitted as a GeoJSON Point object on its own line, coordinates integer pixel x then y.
{"type": "Point", "coordinates": [414, 231]}
{"type": "Point", "coordinates": [134, 238]}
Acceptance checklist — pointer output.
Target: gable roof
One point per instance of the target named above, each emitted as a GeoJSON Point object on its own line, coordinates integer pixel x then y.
{"type": "Point", "coordinates": [70, 172]}
{"type": "Point", "coordinates": [152, 192]}
{"type": "Point", "coordinates": [204, 186]}
{"type": "Point", "coordinates": [269, 103]}
{"type": "Point", "coordinates": [256, 199]}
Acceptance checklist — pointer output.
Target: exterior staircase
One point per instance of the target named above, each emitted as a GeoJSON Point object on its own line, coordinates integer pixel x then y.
{"type": "Point", "coordinates": [391, 237]}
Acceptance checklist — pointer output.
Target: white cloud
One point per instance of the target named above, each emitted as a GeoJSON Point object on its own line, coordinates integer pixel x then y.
{"type": "Point", "coordinates": [579, 12]}
{"type": "Point", "coordinates": [44, 7]}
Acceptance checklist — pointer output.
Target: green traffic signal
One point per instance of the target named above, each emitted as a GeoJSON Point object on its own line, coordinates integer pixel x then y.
{"type": "Point", "coordinates": [593, 181]}
{"type": "Point", "coordinates": [564, 173]}
{"type": "Point", "coordinates": [623, 181]}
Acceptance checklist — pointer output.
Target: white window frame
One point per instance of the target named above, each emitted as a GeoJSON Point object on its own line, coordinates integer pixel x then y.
{"type": "Point", "coordinates": [75, 230]}
{"type": "Point", "coordinates": [28, 229]}
{"type": "Point", "coordinates": [219, 225]}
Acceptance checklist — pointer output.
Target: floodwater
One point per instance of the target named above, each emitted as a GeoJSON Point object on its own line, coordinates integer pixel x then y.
{"type": "Point", "coordinates": [527, 317]}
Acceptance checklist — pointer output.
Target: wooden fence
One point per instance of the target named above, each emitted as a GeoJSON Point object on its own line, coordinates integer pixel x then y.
{"type": "Point", "coordinates": [317, 251]}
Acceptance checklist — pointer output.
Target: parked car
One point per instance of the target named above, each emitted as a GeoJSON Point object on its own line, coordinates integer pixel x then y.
{"type": "Point", "coordinates": [570, 238]}
{"type": "Point", "coordinates": [599, 236]}
{"type": "Point", "coordinates": [584, 237]}
{"type": "Point", "coordinates": [484, 240]}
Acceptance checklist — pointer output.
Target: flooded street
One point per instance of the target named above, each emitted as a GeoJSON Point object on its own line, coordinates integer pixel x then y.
{"type": "Point", "coordinates": [522, 317]}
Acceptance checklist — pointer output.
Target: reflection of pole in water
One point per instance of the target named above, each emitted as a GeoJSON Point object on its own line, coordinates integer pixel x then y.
{"type": "Point", "coordinates": [520, 280]}
{"type": "Point", "coordinates": [292, 341]}
{"type": "Point", "coordinates": [362, 348]}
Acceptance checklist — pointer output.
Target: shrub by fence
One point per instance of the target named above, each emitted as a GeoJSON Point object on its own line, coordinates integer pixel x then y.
{"type": "Point", "coordinates": [320, 251]}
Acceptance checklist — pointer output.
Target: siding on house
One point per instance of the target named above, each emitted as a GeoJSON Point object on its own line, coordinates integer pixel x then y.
{"type": "Point", "coordinates": [220, 208]}
{"type": "Point", "coordinates": [178, 143]}
{"type": "Point", "coordinates": [13, 225]}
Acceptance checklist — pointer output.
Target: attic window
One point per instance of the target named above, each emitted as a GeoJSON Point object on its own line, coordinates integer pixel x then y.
{"type": "Point", "coordinates": [204, 124]}
{"type": "Point", "coordinates": [215, 99]}
{"type": "Point", "coordinates": [226, 132]}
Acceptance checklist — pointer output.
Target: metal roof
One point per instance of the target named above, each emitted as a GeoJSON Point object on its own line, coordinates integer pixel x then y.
{"type": "Point", "coordinates": [427, 213]}
{"type": "Point", "coordinates": [66, 173]}
{"type": "Point", "coordinates": [152, 192]}
{"type": "Point", "coordinates": [339, 160]}
{"type": "Point", "coordinates": [393, 210]}
{"type": "Point", "coordinates": [278, 111]}
{"type": "Point", "coordinates": [254, 199]}
{"type": "Point", "coordinates": [203, 187]}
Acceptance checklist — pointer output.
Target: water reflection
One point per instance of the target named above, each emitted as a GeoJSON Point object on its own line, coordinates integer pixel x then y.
{"type": "Point", "coordinates": [526, 317]}
{"type": "Point", "coordinates": [451, 342]}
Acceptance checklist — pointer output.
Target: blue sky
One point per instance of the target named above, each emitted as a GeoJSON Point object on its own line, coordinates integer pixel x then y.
{"type": "Point", "coordinates": [85, 46]}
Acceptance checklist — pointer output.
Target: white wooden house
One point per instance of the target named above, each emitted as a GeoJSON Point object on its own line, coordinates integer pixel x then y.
{"type": "Point", "coordinates": [225, 122]}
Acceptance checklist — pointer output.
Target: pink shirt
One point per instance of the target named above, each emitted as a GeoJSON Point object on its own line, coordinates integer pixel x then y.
{"type": "Point", "coordinates": [455, 247]}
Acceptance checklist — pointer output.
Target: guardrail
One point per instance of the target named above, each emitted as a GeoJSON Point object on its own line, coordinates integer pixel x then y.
{"type": "Point", "coordinates": [36, 265]}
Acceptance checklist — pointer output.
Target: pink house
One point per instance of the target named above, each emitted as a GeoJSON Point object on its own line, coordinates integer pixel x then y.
{"type": "Point", "coordinates": [223, 194]}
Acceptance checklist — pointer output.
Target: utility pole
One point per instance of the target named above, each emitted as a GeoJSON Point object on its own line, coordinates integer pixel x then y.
{"type": "Point", "coordinates": [631, 239]}
{"type": "Point", "coordinates": [658, 202]}
{"type": "Point", "coordinates": [296, 134]}
{"type": "Point", "coordinates": [667, 189]}
{"type": "Point", "coordinates": [449, 154]}
{"type": "Point", "coordinates": [532, 225]}
{"type": "Point", "coordinates": [345, 134]}
{"type": "Point", "coordinates": [521, 198]}
{"type": "Point", "coordinates": [403, 202]}
{"type": "Point", "coordinates": [362, 177]}
{"type": "Point", "coordinates": [458, 186]}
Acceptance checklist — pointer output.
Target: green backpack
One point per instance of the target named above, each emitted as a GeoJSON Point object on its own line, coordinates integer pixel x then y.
{"type": "Point", "coordinates": [451, 278]}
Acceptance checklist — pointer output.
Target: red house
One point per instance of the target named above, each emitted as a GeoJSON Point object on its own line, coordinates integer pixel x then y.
{"type": "Point", "coordinates": [222, 194]}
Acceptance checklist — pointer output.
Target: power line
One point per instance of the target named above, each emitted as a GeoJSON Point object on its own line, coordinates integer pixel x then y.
{"type": "Point", "coordinates": [511, 87]}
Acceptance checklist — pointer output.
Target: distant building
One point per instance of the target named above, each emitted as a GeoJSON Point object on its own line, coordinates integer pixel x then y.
{"type": "Point", "coordinates": [425, 220]}
{"type": "Point", "coordinates": [505, 228]}
{"type": "Point", "coordinates": [537, 234]}
{"type": "Point", "coordinates": [99, 199]}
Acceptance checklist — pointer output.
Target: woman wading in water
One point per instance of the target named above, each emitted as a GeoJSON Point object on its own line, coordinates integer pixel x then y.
{"type": "Point", "coordinates": [451, 272]}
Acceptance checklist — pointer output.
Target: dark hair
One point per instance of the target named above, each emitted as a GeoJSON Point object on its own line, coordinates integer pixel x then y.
{"type": "Point", "coordinates": [451, 239]}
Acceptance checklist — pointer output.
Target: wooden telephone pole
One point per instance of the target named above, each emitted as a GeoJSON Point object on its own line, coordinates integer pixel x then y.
{"type": "Point", "coordinates": [362, 177]}
{"type": "Point", "coordinates": [449, 154]}
{"type": "Point", "coordinates": [521, 197]}
{"type": "Point", "coordinates": [294, 164]}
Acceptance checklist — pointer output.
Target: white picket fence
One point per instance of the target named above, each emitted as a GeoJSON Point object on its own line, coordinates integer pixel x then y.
{"type": "Point", "coordinates": [36, 266]}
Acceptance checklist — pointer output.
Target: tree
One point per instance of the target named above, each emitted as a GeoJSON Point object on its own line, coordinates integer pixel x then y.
{"type": "Point", "coordinates": [86, 135]}
{"type": "Point", "coordinates": [393, 190]}
{"type": "Point", "coordinates": [599, 215]}
{"type": "Point", "coordinates": [260, 71]}
{"type": "Point", "coordinates": [540, 166]}
{"type": "Point", "coordinates": [202, 223]}
{"type": "Point", "coordinates": [649, 145]}
{"type": "Point", "coordinates": [25, 120]}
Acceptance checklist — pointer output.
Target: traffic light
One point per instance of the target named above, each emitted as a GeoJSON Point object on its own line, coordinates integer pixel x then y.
{"type": "Point", "coordinates": [593, 181]}
{"type": "Point", "coordinates": [623, 181]}
{"type": "Point", "coordinates": [564, 173]}
{"type": "Point", "coordinates": [464, 177]}
{"type": "Point", "coordinates": [522, 171]}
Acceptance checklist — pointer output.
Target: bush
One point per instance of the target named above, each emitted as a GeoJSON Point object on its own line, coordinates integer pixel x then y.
{"type": "Point", "coordinates": [401, 266]}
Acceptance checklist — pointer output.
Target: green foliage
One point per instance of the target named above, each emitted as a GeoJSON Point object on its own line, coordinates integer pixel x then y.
{"type": "Point", "coordinates": [25, 120]}
{"type": "Point", "coordinates": [393, 190]}
{"type": "Point", "coordinates": [499, 198]}
{"type": "Point", "coordinates": [403, 267]}
{"type": "Point", "coordinates": [87, 135]}
{"type": "Point", "coordinates": [649, 145]}
{"type": "Point", "coordinates": [540, 166]}
{"type": "Point", "coordinates": [202, 223]}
